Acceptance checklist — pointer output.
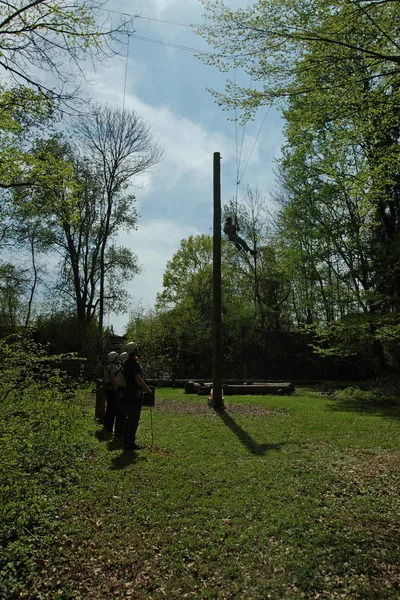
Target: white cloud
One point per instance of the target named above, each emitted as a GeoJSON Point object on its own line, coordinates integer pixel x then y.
{"type": "Point", "coordinates": [155, 242]}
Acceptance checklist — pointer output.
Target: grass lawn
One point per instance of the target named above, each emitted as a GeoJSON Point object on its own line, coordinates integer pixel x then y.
{"type": "Point", "coordinates": [277, 497]}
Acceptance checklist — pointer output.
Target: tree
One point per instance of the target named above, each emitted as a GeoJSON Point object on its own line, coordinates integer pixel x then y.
{"type": "Point", "coordinates": [24, 118]}
{"type": "Point", "coordinates": [69, 194]}
{"type": "Point", "coordinates": [334, 68]}
{"type": "Point", "coordinates": [188, 275]}
{"type": "Point", "coordinates": [276, 41]}
{"type": "Point", "coordinates": [265, 282]}
{"type": "Point", "coordinates": [120, 144]}
{"type": "Point", "coordinates": [46, 41]}
{"type": "Point", "coordinates": [339, 169]}
{"type": "Point", "coordinates": [185, 304]}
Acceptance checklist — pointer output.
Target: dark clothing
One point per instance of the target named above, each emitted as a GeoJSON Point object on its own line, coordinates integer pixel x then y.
{"type": "Point", "coordinates": [131, 408]}
{"type": "Point", "coordinates": [230, 230]}
{"type": "Point", "coordinates": [129, 416]}
{"type": "Point", "coordinates": [120, 416]}
{"type": "Point", "coordinates": [131, 369]}
{"type": "Point", "coordinates": [111, 408]}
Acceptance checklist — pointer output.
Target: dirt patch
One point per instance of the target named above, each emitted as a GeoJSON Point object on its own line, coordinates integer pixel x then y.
{"type": "Point", "coordinates": [202, 408]}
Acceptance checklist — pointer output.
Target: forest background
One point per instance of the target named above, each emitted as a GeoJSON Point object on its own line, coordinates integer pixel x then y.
{"type": "Point", "coordinates": [321, 297]}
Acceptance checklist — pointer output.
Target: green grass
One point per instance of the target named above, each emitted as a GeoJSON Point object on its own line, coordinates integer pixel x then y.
{"type": "Point", "coordinates": [278, 497]}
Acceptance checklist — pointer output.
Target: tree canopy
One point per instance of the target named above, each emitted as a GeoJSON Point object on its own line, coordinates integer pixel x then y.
{"type": "Point", "coordinates": [43, 43]}
{"type": "Point", "coordinates": [278, 42]}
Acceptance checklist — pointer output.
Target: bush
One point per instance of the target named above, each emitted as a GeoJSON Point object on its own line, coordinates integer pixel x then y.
{"type": "Point", "coordinates": [44, 438]}
{"type": "Point", "coordinates": [380, 391]}
{"type": "Point", "coordinates": [64, 333]}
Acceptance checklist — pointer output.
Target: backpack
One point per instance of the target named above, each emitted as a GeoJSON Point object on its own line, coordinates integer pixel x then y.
{"type": "Point", "coordinates": [107, 381]}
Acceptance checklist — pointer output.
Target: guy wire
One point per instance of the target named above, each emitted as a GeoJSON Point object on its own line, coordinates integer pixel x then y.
{"type": "Point", "coordinates": [126, 72]}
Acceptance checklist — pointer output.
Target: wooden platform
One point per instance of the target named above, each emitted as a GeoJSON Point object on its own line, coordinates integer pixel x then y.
{"type": "Point", "coordinates": [280, 388]}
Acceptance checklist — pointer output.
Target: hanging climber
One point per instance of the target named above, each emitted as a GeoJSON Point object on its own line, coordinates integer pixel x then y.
{"type": "Point", "coordinates": [230, 229]}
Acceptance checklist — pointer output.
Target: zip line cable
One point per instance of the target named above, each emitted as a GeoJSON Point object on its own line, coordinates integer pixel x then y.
{"type": "Point", "coordinates": [195, 50]}
{"type": "Point", "coordinates": [178, 46]}
{"type": "Point", "coordinates": [126, 73]}
{"type": "Point", "coordinates": [255, 143]}
{"type": "Point", "coordinates": [238, 154]}
{"type": "Point", "coordinates": [244, 126]}
{"type": "Point", "coordinates": [146, 18]}
{"type": "Point", "coordinates": [239, 176]}
{"type": "Point", "coordinates": [236, 137]}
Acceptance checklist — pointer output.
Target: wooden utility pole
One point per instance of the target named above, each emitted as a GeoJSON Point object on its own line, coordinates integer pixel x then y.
{"type": "Point", "coordinates": [217, 325]}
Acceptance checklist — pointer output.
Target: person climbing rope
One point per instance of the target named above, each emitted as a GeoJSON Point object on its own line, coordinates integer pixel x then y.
{"type": "Point", "coordinates": [230, 229]}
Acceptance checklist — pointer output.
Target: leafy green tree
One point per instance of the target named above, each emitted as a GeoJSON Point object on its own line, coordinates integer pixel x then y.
{"type": "Point", "coordinates": [188, 275]}
{"type": "Point", "coordinates": [185, 309]}
{"type": "Point", "coordinates": [333, 66]}
{"type": "Point", "coordinates": [79, 224]}
{"type": "Point", "coordinates": [276, 41]}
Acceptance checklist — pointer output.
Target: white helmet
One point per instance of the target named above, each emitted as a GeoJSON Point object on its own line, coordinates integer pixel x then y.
{"type": "Point", "coordinates": [122, 357]}
{"type": "Point", "coordinates": [130, 347]}
{"type": "Point", "coordinates": [111, 356]}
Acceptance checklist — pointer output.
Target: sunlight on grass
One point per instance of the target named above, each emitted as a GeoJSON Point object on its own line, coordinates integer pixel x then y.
{"type": "Point", "coordinates": [277, 497]}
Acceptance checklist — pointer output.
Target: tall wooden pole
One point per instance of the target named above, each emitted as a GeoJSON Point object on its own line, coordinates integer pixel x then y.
{"type": "Point", "coordinates": [217, 325]}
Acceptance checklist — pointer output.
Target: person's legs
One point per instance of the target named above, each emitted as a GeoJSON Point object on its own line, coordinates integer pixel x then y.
{"type": "Point", "coordinates": [121, 415]}
{"type": "Point", "coordinates": [111, 408]}
{"type": "Point", "coordinates": [241, 244]}
{"type": "Point", "coordinates": [244, 245]}
{"type": "Point", "coordinates": [135, 408]}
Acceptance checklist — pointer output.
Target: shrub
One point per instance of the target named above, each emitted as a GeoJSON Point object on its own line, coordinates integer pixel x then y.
{"type": "Point", "coordinates": [44, 438]}
{"type": "Point", "coordinates": [380, 391]}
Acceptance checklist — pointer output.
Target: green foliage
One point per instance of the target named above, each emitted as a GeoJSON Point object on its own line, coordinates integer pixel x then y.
{"type": "Point", "coordinates": [23, 117]}
{"type": "Point", "coordinates": [188, 275]}
{"type": "Point", "coordinates": [44, 440]}
{"type": "Point", "coordinates": [278, 40]}
{"type": "Point", "coordinates": [333, 69]}
{"type": "Point", "coordinates": [64, 333]}
{"type": "Point", "coordinates": [287, 498]}
{"type": "Point", "coordinates": [384, 391]}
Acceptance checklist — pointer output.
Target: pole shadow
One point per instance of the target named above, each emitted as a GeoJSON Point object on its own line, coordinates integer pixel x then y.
{"type": "Point", "coordinates": [244, 437]}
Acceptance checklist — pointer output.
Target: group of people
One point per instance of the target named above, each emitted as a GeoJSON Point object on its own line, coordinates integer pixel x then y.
{"type": "Point", "coordinates": [124, 385]}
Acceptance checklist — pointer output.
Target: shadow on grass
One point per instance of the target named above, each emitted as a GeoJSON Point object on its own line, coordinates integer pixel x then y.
{"type": "Point", "coordinates": [103, 435]}
{"type": "Point", "coordinates": [378, 409]}
{"type": "Point", "coordinates": [125, 459]}
{"type": "Point", "coordinates": [244, 437]}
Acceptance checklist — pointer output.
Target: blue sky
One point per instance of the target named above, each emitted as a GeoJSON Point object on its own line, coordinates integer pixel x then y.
{"type": "Point", "coordinates": [167, 86]}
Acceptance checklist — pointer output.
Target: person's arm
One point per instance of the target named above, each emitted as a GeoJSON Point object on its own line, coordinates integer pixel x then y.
{"type": "Point", "coordinates": [141, 383]}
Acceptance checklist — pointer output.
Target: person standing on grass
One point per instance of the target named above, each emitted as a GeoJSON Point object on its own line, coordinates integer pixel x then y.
{"type": "Point", "coordinates": [121, 397]}
{"type": "Point", "coordinates": [135, 386]}
{"type": "Point", "coordinates": [111, 386]}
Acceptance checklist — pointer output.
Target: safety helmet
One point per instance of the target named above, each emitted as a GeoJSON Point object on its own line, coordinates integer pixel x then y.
{"type": "Point", "coordinates": [122, 357]}
{"type": "Point", "coordinates": [112, 356]}
{"type": "Point", "coordinates": [130, 347]}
